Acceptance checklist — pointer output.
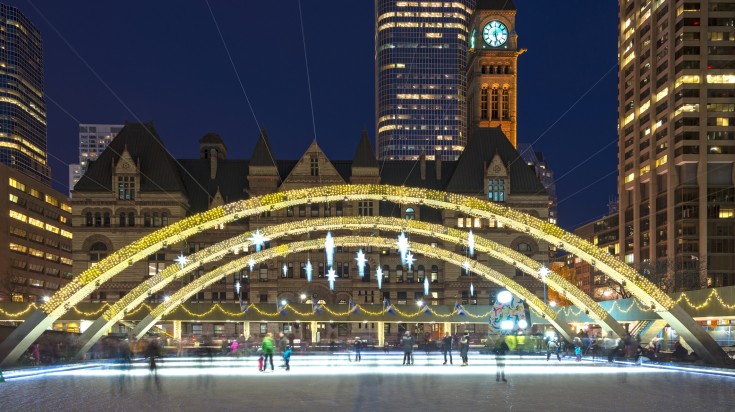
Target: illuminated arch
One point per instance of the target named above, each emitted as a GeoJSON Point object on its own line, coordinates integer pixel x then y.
{"type": "Point", "coordinates": [84, 284]}
{"type": "Point", "coordinates": [294, 247]}
{"type": "Point", "coordinates": [495, 250]}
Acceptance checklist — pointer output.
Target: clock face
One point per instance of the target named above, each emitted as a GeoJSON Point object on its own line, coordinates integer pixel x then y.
{"type": "Point", "coordinates": [495, 33]}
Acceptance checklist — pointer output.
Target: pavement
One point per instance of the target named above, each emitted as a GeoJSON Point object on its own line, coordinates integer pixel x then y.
{"type": "Point", "coordinates": [379, 382]}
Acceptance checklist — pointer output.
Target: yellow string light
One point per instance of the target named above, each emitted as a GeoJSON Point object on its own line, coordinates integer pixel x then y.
{"type": "Point", "coordinates": [19, 314]}
{"type": "Point", "coordinates": [83, 284]}
{"type": "Point", "coordinates": [91, 314]}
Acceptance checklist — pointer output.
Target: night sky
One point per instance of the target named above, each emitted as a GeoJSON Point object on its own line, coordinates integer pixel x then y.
{"type": "Point", "coordinates": [166, 63]}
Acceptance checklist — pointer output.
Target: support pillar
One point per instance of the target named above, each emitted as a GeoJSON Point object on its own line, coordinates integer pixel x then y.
{"type": "Point", "coordinates": [314, 330]}
{"type": "Point", "coordinates": [246, 329]}
{"type": "Point", "coordinates": [177, 329]}
{"type": "Point", "coordinates": [447, 326]}
{"type": "Point", "coordinates": [652, 330]}
{"type": "Point", "coordinates": [381, 334]}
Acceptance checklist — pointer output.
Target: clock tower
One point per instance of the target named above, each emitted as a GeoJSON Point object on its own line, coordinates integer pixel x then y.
{"type": "Point", "coordinates": [492, 66]}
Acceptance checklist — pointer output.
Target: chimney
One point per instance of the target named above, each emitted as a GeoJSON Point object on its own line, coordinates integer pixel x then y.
{"type": "Point", "coordinates": [423, 166]}
{"type": "Point", "coordinates": [212, 163]}
{"type": "Point", "coordinates": [438, 167]}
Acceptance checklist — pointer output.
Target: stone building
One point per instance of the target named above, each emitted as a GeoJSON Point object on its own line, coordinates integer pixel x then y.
{"type": "Point", "coordinates": [136, 187]}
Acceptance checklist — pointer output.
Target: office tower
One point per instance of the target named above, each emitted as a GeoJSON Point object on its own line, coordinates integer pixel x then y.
{"type": "Point", "coordinates": [23, 144]}
{"type": "Point", "coordinates": [420, 55]}
{"type": "Point", "coordinates": [35, 238]}
{"type": "Point", "coordinates": [93, 139]}
{"type": "Point", "coordinates": [677, 140]}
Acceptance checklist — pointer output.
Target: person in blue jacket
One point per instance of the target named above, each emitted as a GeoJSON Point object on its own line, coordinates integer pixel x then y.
{"type": "Point", "coordinates": [287, 357]}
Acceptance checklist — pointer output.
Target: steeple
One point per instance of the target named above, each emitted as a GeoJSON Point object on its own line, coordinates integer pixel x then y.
{"type": "Point", "coordinates": [365, 168]}
{"type": "Point", "coordinates": [263, 153]}
{"type": "Point", "coordinates": [263, 175]}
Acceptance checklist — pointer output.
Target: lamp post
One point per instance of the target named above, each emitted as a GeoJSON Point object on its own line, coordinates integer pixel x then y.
{"type": "Point", "coordinates": [544, 272]}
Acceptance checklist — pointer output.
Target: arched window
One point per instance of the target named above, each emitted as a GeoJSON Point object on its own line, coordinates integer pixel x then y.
{"type": "Point", "coordinates": [164, 219]}
{"type": "Point", "coordinates": [123, 220]}
{"type": "Point", "coordinates": [494, 103]}
{"type": "Point", "coordinates": [89, 219]}
{"type": "Point", "coordinates": [399, 274]}
{"type": "Point", "coordinates": [386, 274]}
{"type": "Point", "coordinates": [483, 104]}
{"type": "Point", "coordinates": [97, 252]}
{"type": "Point", "coordinates": [106, 219]}
{"type": "Point", "coordinates": [98, 219]}
{"type": "Point", "coordinates": [147, 219]}
{"type": "Point", "coordinates": [367, 276]}
{"type": "Point", "coordinates": [525, 248]}
{"type": "Point", "coordinates": [131, 219]}
{"type": "Point", "coordinates": [409, 275]}
{"type": "Point", "coordinates": [263, 272]}
{"type": "Point", "coordinates": [434, 274]}
{"type": "Point", "coordinates": [410, 214]}
{"type": "Point", "coordinates": [506, 103]}
{"type": "Point", "coordinates": [422, 273]}
{"type": "Point", "coordinates": [156, 220]}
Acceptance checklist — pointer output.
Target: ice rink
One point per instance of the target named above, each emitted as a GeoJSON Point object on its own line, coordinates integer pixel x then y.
{"type": "Point", "coordinates": [379, 382]}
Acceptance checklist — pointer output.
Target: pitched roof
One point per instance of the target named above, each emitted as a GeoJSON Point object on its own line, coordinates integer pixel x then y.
{"type": "Point", "coordinates": [263, 152]}
{"type": "Point", "coordinates": [495, 5]}
{"type": "Point", "coordinates": [364, 155]}
{"type": "Point", "coordinates": [230, 180]}
{"type": "Point", "coordinates": [482, 145]}
{"type": "Point", "coordinates": [160, 171]}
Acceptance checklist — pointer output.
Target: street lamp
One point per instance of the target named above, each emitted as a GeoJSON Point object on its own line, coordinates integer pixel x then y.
{"type": "Point", "coordinates": [504, 297]}
{"type": "Point", "coordinates": [507, 325]}
{"type": "Point", "coordinates": [544, 272]}
{"type": "Point", "coordinates": [303, 297]}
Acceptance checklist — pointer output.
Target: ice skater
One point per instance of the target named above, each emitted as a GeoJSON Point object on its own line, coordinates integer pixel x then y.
{"type": "Point", "coordinates": [268, 347]}
{"type": "Point", "coordinates": [464, 348]}
{"type": "Point", "coordinates": [358, 349]}
{"type": "Point", "coordinates": [447, 348]}
{"type": "Point", "coordinates": [407, 342]}
{"type": "Point", "coordinates": [500, 350]}
{"type": "Point", "coordinates": [287, 357]}
{"type": "Point", "coordinates": [552, 347]}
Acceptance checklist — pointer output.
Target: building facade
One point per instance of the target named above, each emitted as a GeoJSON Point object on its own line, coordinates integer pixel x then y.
{"type": "Point", "coordinates": [145, 189]}
{"type": "Point", "coordinates": [677, 139]}
{"type": "Point", "coordinates": [93, 139]}
{"type": "Point", "coordinates": [35, 238]}
{"type": "Point", "coordinates": [420, 50]}
{"type": "Point", "coordinates": [23, 142]}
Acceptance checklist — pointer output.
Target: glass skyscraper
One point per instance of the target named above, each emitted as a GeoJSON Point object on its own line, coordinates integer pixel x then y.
{"type": "Point", "coordinates": [420, 57]}
{"type": "Point", "coordinates": [22, 107]}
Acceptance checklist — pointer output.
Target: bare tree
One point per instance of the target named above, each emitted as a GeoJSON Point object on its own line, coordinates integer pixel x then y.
{"type": "Point", "coordinates": [9, 287]}
{"type": "Point", "coordinates": [669, 275]}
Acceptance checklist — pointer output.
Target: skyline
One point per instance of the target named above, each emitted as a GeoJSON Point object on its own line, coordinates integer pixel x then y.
{"type": "Point", "coordinates": [148, 78]}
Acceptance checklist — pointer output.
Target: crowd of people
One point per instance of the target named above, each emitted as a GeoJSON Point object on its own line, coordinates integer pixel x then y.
{"type": "Point", "coordinates": [596, 346]}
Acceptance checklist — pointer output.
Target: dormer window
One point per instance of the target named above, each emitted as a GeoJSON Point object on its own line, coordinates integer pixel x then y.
{"type": "Point", "coordinates": [126, 188]}
{"type": "Point", "coordinates": [496, 190]}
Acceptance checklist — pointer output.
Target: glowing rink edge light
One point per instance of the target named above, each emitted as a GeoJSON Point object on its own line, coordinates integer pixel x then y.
{"type": "Point", "coordinates": [368, 366]}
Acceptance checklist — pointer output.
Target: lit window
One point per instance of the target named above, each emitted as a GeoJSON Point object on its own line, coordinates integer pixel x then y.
{"type": "Point", "coordinates": [727, 213]}
{"type": "Point", "coordinates": [410, 214]}
{"type": "Point", "coordinates": [16, 184]}
{"type": "Point", "coordinates": [126, 188]}
{"type": "Point", "coordinates": [496, 190]}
